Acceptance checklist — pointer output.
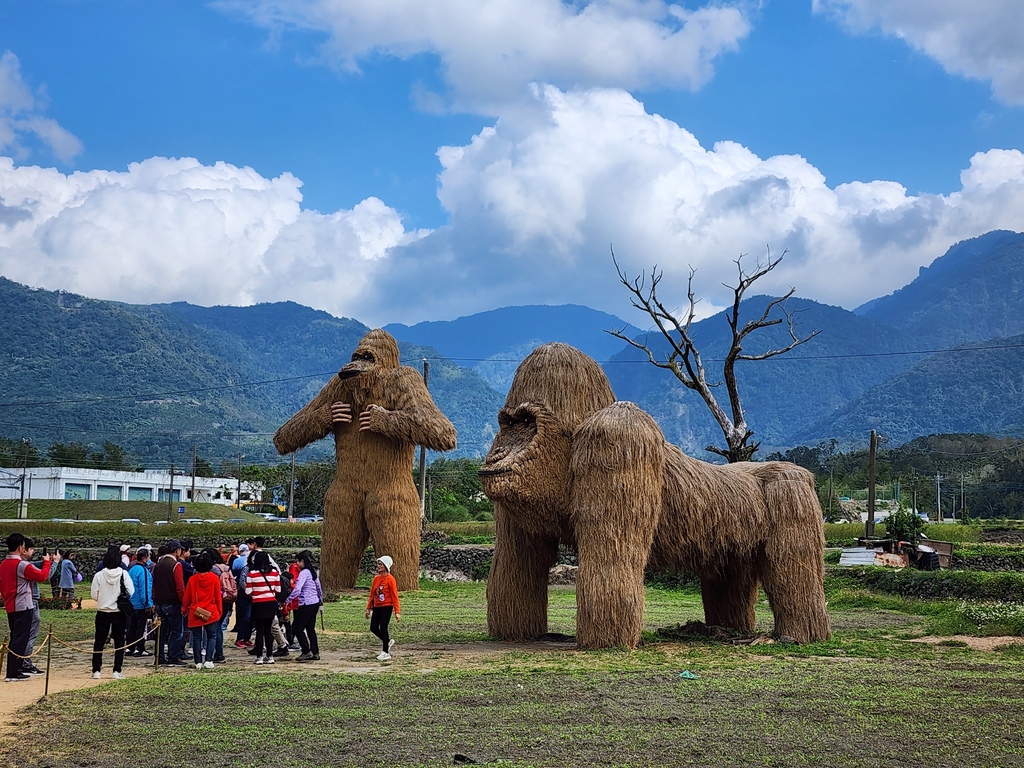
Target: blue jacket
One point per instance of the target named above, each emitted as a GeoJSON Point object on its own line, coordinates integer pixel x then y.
{"type": "Point", "coordinates": [67, 574]}
{"type": "Point", "coordinates": [143, 581]}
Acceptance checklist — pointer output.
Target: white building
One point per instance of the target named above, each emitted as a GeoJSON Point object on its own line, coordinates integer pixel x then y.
{"type": "Point", "coordinates": [103, 484]}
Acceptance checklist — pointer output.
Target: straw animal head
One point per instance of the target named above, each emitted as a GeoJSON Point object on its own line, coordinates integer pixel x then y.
{"type": "Point", "coordinates": [377, 350]}
{"type": "Point", "coordinates": [555, 388]}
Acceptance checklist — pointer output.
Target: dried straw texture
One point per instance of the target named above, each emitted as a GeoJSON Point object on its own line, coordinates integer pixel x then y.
{"type": "Point", "coordinates": [569, 466]}
{"type": "Point", "coordinates": [739, 526]}
{"type": "Point", "coordinates": [373, 497]}
{"type": "Point", "coordinates": [555, 388]}
{"type": "Point", "coordinates": [616, 475]}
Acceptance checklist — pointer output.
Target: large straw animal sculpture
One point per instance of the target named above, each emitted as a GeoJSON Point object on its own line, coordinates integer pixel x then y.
{"type": "Point", "coordinates": [378, 413]}
{"type": "Point", "coordinates": [570, 465]}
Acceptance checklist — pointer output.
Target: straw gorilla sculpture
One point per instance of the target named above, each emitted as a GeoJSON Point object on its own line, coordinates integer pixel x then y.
{"type": "Point", "coordinates": [570, 465]}
{"type": "Point", "coordinates": [378, 412]}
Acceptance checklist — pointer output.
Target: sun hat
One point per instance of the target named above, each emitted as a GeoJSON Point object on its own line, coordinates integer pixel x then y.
{"type": "Point", "coordinates": [243, 549]}
{"type": "Point", "coordinates": [125, 547]}
{"type": "Point", "coordinates": [388, 562]}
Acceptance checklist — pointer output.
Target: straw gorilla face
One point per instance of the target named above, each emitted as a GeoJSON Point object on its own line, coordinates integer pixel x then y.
{"type": "Point", "coordinates": [528, 463]}
{"type": "Point", "coordinates": [377, 350]}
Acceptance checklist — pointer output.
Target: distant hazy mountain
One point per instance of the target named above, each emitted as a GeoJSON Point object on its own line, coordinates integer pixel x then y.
{"type": "Point", "coordinates": [973, 292]}
{"type": "Point", "coordinates": [157, 378]}
{"type": "Point", "coordinates": [493, 343]}
{"type": "Point", "coordinates": [779, 395]}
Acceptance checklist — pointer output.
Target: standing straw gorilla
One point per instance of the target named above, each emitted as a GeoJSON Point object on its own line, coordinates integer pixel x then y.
{"type": "Point", "coordinates": [570, 465]}
{"type": "Point", "coordinates": [379, 412]}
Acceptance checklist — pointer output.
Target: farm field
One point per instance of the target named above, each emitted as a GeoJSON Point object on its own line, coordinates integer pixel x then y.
{"type": "Point", "coordinates": [902, 682]}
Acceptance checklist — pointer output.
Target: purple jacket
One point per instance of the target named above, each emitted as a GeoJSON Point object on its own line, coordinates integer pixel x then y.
{"type": "Point", "coordinates": [307, 589]}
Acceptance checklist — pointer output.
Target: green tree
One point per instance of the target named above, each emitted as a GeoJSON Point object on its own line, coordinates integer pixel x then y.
{"type": "Point", "coordinates": [73, 454]}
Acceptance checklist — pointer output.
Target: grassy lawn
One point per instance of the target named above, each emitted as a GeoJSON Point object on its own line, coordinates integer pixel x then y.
{"type": "Point", "coordinates": [871, 696]}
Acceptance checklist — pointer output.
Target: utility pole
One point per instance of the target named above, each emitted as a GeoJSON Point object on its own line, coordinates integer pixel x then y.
{"type": "Point", "coordinates": [238, 494]}
{"type": "Point", "coordinates": [913, 485]}
{"type": "Point", "coordinates": [938, 497]}
{"type": "Point", "coordinates": [170, 495]}
{"type": "Point", "coordinates": [869, 529]}
{"type": "Point", "coordinates": [192, 496]}
{"type": "Point", "coordinates": [291, 493]}
{"type": "Point", "coordinates": [22, 506]}
{"type": "Point", "coordinates": [963, 500]}
{"type": "Point", "coordinates": [423, 458]}
{"type": "Point", "coordinates": [830, 511]}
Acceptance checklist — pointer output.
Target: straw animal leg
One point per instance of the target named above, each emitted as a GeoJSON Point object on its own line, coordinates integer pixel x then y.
{"type": "Point", "coordinates": [517, 588]}
{"type": "Point", "coordinates": [617, 463]}
{"type": "Point", "coordinates": [393, 520]}
{"type": "Point", "coordinates": [344, 537]}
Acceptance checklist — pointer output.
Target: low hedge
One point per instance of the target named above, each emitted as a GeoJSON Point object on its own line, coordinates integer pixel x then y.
{"type": "Point", "coordinates": [945, 585]}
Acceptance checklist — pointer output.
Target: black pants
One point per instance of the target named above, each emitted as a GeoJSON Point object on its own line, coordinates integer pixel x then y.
{"type": "Point", "coordinates": [108, 622]}
{"type": "Point", "coordinates": [21, 624]}
{"type": "Point", "coordinates": [379, 620]}
{"type": "Point", "coordinates": [304, 626]}
{"type": "Point", "coordinates": [136, 629]}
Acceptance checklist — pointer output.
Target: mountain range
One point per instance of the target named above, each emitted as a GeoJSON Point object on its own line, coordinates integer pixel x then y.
{"type": "Point", "coordinates": [945, 353]}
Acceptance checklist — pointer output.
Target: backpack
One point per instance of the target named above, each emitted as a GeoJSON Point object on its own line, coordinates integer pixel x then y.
{"type": "Point", "coordinates": [286, 587]}
{"type": "Point", "coordinates": [228, 586]}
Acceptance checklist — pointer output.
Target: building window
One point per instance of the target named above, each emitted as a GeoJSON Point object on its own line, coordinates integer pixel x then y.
{"type": "Point", "coordinates": [77, 491]}
{"type": "Point", "coordinates": [140, 494]}
{"type": "Point", "coordinates": [108, 493]}
{"type": "Point", "coordinates": [175, 497]}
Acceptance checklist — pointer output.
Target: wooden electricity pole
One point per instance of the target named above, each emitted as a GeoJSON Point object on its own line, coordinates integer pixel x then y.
{"type": "Point", "coordinates": [869, 528]}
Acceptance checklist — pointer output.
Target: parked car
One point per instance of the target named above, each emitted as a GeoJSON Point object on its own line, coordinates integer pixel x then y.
{"type": "Point", "coordinates": [132, 520]}
{"type": "Point", "coordinates": [234, 520]}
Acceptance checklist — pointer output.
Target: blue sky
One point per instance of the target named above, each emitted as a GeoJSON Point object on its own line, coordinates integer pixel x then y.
{"type": "Point", "coordinates": [395, 160]}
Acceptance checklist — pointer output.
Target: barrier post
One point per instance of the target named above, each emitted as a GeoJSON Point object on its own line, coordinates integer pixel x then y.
{"type": "Point", "coordinates": [3, 653]}
{"type": "Point", "coordinates": [49, 654]}
{"type": "Point", "coordinates": [156, 651]}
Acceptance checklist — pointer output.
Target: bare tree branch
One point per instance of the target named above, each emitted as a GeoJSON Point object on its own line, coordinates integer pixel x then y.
{"type": "Point", "coordinates": [684, 359]}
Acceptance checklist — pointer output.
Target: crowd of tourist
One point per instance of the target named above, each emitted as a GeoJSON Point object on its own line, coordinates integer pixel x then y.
{"type": "Point", "coordinates": [174, 596]}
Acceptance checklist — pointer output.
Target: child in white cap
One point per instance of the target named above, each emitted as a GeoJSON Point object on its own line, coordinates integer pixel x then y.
{"type": "Point", "coordinates": [382, 603]}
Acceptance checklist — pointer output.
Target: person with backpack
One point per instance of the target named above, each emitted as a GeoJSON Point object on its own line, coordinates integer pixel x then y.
{"type": "Point", "coordinates": [243, 603]}
{"type": "Point", "coordinates": [262, 585]}
{"type": "Point", "coordinates": [107, 586]}
{"type": "Point", "coordinates": [142, 602]}
{"type": "Point", "coordinates": [228, 594]}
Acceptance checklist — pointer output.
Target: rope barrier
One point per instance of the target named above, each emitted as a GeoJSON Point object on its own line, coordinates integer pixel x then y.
{"type": "Point", "coordinates": [52, 637]}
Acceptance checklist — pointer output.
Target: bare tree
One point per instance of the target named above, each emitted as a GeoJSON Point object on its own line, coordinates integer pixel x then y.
{"type": "Point", "coordinates": [684, 359]}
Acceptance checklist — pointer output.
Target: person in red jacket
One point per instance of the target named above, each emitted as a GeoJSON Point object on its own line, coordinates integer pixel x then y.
{"type": "Point", "coordinates": [383, 601]}
{"type": "Point", "coordinates": [16, 577]}
{"type": "Point", "coordinates": [202, 596]}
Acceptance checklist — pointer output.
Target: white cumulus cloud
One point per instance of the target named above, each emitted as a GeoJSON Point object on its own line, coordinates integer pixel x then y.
{"type": "Point", "coordinates": [980, 40]}
{"type": "Point", "coordinates": [174, 229]}
{"type": "Point", "coordinates": [534, 202]}
{"type": "Point", "coordinates": [22, 119]}
{"type": "Point", "coordinates": [488, 50]}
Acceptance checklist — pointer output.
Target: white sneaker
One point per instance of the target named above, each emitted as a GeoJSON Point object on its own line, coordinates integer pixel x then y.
{"type": "Point", "coordinates": [117, 676]}
{"type": "Point", "coordinates": [208, 664]}
{"type": "Point", "coordinates": [199, 665]}
{"type": "Point", "coordinates": [391, 644]}
{"type": "Point", "coordinates": [259, 660]}
{"type": "Point", "coordinates": [96, 675]}
{"type": "Point", "coordinates": [383, 656]}
{"type": "Point", "coordinates": [268, 659]}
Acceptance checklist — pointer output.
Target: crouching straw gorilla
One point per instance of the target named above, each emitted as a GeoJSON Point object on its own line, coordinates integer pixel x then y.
{"type": "Point", "coordinates": [570, 465]}
{"type": "Point", "coordinates": [378, 412]}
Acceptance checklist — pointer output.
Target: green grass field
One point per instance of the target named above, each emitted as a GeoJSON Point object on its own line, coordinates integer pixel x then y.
{"type": "Point", "coordinates": [871, 696]}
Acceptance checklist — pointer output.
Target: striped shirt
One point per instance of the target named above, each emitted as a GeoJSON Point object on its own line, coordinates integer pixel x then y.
{"type": "Point", "coordinates": [263, 587]}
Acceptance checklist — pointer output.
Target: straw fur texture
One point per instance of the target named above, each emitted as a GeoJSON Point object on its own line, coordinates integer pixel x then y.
{"type": "Point", "coordinates": [373, 497]}
{"type": "Point", "coordinates": [570, 465]}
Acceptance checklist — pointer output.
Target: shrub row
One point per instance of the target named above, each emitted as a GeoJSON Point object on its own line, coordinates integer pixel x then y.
{"type": "Point", "coordinates": [958, 585]}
